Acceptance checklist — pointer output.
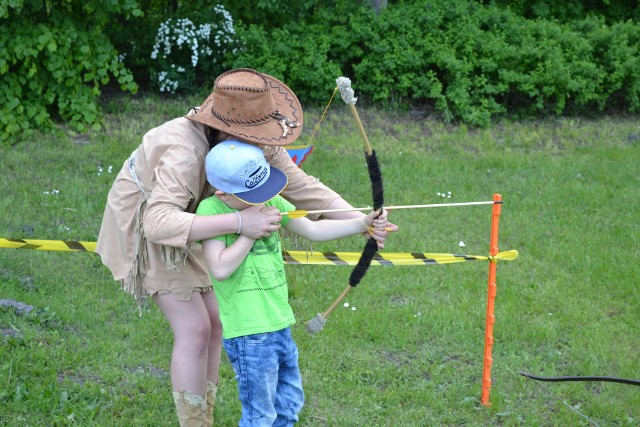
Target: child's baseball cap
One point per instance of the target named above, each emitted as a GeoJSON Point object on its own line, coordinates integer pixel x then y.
{"type": "Point", "coordinates": [240, 169]}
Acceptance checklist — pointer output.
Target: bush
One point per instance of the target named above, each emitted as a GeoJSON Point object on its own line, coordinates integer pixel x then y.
{"type": "Point", "coordinates": [54, 60]}
{"type": "Point", "coordinates": [308, 55]}
{"type": "Point", "coordinates": [185, 54]}
{"type": "Point", "coordinates": [569, 10]}
{"type": "Point", "coordinates": [471, 62]}
{"type": "Point", "coordinates": [616, 50]}
{"type": "Point", "coordinates": [53, 63]}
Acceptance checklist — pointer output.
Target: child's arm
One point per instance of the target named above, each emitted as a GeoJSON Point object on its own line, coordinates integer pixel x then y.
{"type": "Point", "coordinates": [223, 260]}
{"type": "Point", "coordinates": [324, 230]}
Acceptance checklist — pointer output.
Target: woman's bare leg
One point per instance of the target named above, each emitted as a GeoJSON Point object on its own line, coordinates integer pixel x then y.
{"type": "Point", "coordinates": [190, 322]}
{"type": "Point", "coordinates": [215, 339]}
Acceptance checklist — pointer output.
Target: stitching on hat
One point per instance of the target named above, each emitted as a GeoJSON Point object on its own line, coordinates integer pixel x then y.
{"type": "Point", "coordinates": [242, 88]}
{"type": "Point", "coordinates": [285, 94]}
{"type": "Point", "coordinates": [266, 88]}
{"type": "Point", "coordinates": [267, 85]}
{"type": "Point", "coordinates": [227, 120]}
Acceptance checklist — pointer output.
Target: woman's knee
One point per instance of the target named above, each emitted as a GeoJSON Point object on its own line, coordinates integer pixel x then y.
{"type": "Point", "coordinates": [195, 335]}
{"type": "Point", "coordinates": [189, 321]}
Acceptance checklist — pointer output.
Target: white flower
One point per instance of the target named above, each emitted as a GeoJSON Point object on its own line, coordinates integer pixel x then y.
{"type": "Point", "coordinates": [181, 47]}
{"type": "Point", "coordinates": [346, 304]}
{"type": "Point", "coordinates": [461, 244]}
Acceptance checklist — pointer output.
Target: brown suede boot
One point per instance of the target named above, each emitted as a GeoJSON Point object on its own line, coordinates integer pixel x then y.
{"type": "Point", "coordinates": [191, 409]}
{"type": "Point", "coordinates": [212, 390]}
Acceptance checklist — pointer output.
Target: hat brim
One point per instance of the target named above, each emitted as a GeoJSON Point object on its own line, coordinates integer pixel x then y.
{"type": "Point", "coordinates": [268, 190]}
{"type": "Point", "coordinates": [267, 133]}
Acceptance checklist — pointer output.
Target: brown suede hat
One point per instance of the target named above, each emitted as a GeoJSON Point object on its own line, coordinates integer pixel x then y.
{"type": "Point", "coordinates": [252, 106]}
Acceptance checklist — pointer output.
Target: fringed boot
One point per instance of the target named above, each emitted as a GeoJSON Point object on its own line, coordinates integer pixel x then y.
{"type": "Point", "coordinates": [212, 390]}
{"type": "Point", "coordinates": [191, 409]}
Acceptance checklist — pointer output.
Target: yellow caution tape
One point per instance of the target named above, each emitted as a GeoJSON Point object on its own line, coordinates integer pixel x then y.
{"type": "Point", "coordinates": [48, 245]}
{"type": "Point", "coordinates": [388, 259]}
{"type": "Point", "coordinates": [290, 257]}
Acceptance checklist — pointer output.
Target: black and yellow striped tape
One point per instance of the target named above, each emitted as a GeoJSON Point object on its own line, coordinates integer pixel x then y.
{"type": "Point", "coordinates": [48, 245]}
{"type": "Point", "coordinates": [388, 259]}
{"type": "Point", "coordinates": [290, 257]}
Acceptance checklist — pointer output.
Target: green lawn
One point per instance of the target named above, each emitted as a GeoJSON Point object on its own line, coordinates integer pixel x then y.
{"type": "Point", "coordinates": [408, 349]}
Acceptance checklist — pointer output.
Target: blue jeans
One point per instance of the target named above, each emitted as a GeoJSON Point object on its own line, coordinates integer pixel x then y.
{"type": "Point", "coordinates": [269, 382]}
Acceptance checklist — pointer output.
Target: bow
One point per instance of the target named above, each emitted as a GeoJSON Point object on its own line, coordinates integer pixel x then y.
{"type": "Point", "coordinates": [375, 177]}
{"type": "Point", "coordinates": [576, 378]}
{"type": "Point", "coordinates": [580, 378]}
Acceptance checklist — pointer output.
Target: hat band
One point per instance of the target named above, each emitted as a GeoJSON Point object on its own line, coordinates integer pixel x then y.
{"type": "Point", "coordinates": [275, 115]}
{"type": "Point", "coordinates": [226, 120]}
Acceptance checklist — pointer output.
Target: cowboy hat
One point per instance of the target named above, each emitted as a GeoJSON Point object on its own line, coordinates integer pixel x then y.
{"type": "Point", "coordinates": [252, 106]}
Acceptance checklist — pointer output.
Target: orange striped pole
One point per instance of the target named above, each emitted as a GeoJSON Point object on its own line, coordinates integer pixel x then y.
{"type": "Point", "coordinates": [491, 296]}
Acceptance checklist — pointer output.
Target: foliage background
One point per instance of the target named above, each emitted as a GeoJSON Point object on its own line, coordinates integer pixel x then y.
{"type": "Point", "coordinates": [463, 60]}
{"type": "Point", "coordinates": [411, 353]}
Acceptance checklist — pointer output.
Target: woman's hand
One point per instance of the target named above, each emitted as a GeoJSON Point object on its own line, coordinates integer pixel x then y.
{"type": "Point", "coordinates": [259, 221]}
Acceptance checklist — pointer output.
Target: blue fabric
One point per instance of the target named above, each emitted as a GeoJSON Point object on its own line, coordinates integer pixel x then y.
{"type": "Point", "coordinates": [269, 382]}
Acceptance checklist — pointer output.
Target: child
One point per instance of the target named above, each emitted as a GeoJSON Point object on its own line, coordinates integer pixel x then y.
{"type": "Point", "coordinates": [250, 285]}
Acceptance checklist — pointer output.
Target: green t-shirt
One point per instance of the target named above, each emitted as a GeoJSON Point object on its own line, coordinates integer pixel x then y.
{"type": "Point", "coordinates": [255, 298]}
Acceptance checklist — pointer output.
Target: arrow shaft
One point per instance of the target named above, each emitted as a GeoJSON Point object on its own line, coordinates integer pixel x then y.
{"type": "Point", "coordinates": [390, 208]}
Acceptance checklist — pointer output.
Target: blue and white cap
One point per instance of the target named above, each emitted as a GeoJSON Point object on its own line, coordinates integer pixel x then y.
{"type": "Point", "coordinates": [240, 169]}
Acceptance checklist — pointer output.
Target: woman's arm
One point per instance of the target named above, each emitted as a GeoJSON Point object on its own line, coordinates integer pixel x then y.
{"type": "Point", "coordinates": [224, 260]}
{"type": "Point", "coordinates": [255, 222]}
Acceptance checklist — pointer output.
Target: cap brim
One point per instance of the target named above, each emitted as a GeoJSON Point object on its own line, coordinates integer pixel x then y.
{"type": "Point", "coordinates": [267, 191]}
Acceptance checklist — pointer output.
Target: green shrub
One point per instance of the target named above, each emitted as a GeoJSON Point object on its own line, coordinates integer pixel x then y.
{"type": "Point", "coordinates": [54, 59]}
{"type": "Point", "coordinates": [309, 55]}
{"type": "Point", "coordinates": [568, 10]}
{"type": "Point", "coordinates": [471, 62]}
{"type": "Point", "coordinates": [616, 50]}
{"type": "Point", "coordinates": [188, 53]}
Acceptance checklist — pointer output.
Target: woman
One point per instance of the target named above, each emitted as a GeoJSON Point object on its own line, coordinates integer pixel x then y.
{"type": "Point", "coordinates": [149, 229]}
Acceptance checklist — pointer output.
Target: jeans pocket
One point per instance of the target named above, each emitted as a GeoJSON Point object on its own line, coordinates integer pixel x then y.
{"type": "Point", "coordinates": [258, 339]}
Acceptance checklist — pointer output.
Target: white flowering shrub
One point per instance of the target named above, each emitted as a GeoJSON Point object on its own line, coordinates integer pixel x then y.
{"type": "Point", "coordinates": [185, 52]}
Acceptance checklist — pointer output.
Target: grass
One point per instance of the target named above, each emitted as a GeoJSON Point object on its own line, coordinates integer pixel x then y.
{"type": "Point", "coordinates": [410, 354]}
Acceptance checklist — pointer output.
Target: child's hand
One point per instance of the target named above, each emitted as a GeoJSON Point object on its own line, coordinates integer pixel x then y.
{"type": "Point", "coordinates": [377, 222]}
{"type": "Point", "coordinates": [379, 226]}
{"type": "Point", "coordinates": [377, 219]}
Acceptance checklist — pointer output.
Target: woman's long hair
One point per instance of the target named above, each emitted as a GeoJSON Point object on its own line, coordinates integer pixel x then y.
{"type": "Point", "coordinates": [214, 136]}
